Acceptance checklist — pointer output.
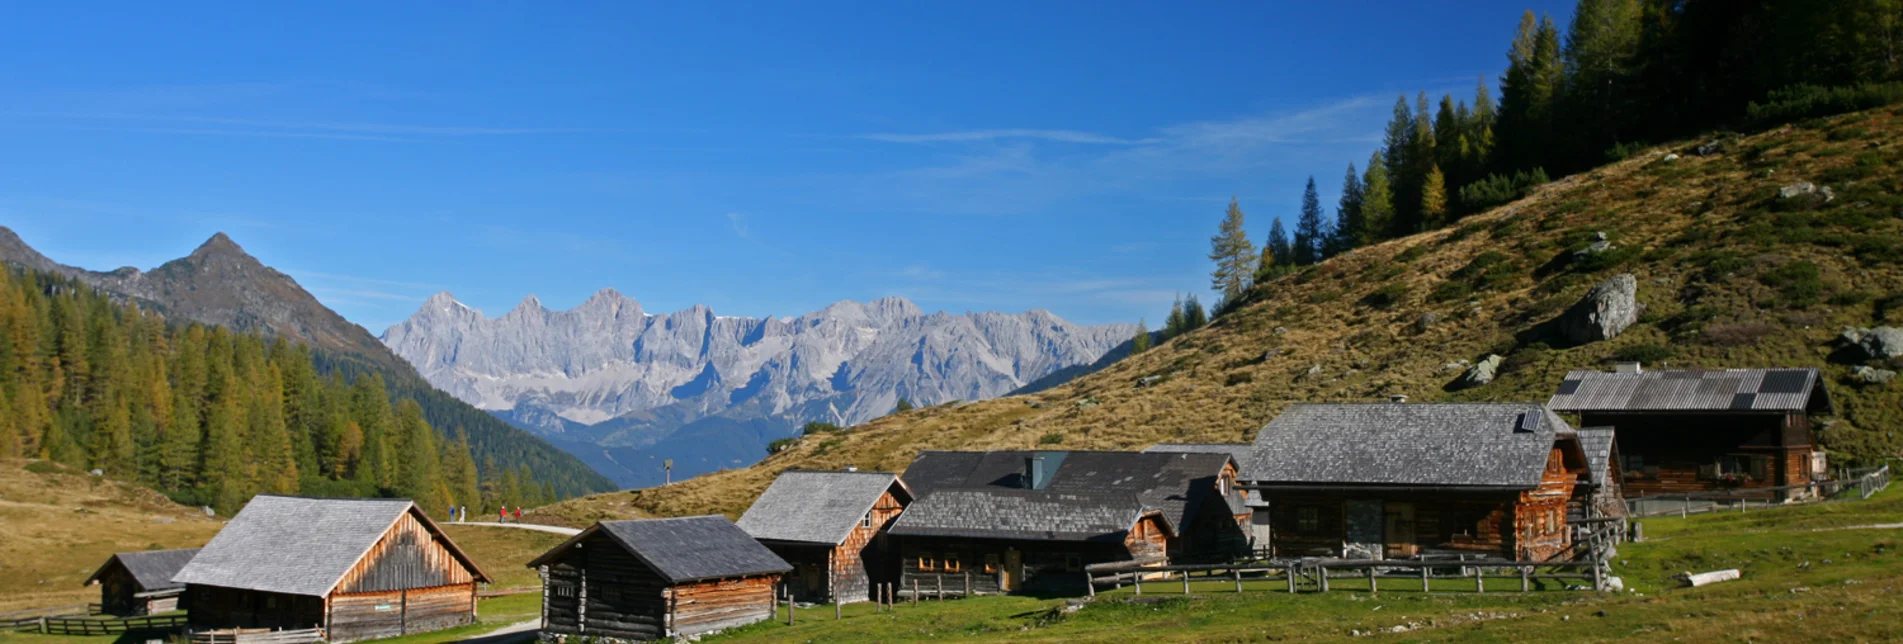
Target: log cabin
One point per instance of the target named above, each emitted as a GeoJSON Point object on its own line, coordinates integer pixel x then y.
{"type": "Point", "coordinates": [1607, 498]}
{"type": "Point", "coordinates": [651, 579]}
{"type": "Point", "coordinates": [140, 583]}
{"type": "Point", "coordinates": [1011, 521]}
{"type": "Point", "coordinates": [1400, 480]}
{"type": "Point", "coordinates": [830, 526]}
{"type": "Point", "coordinates": [357, 568]}
{"type": "Point", "coordinates": [1256, 514]}
{"type": "Point", "coordinates": [1696, 431]}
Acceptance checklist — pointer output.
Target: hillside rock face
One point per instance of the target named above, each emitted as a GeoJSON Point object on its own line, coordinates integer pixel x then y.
{"type": "Point", "coordinates": [1606, 310]}
{"type": "Point", "coordinates": [608, 373]}
{"type": "Point", "coordinates": [1881, 343]}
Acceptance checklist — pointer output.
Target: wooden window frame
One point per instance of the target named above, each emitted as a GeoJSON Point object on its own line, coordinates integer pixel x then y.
{"type": "Point", "coordinates": [952, 563]}
{"type": "Point", "coordinates": [992, 564]}
{"type": "Point", "coordinates": [926, 563]}
{"type": "Point", "coordinates": [866, 521]}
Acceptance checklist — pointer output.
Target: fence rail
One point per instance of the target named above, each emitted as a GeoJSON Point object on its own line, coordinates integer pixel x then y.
{"type": "Point", "coordinates": [1861, 482]}
{"type": "Point", "coordinates": [1315, 575]}
{"type": "Point", "coordinates": [54, 625]}
{"type": "Point", "coordinates": [258, 636]}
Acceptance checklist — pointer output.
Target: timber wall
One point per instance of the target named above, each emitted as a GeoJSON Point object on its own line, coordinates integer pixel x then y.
{"type": "Point", "coordinates": [726, 603]}
{"type": "Point", "coordinates": [394, 613]}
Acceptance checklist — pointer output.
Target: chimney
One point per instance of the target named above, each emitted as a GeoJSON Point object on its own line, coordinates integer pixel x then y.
{"type": "Point", "coordinates": [1628, 367]}
{"type": "Point", "coordinates": [1397, 398]}
{"type": "Point", "coordinates": [852, 468]}
{"type": "Point", "coordinates": [1034, 472]}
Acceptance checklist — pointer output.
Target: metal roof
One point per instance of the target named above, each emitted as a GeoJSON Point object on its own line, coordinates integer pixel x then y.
{"type": "Point", "coordinates": [684, 549]}
{"type": "Point", "coordinates": [817, 507]}
{"type": "Point", "coordinates": [151, 569]}
{"type": "Point", "coordinates": [1723, 390]}
{"type": "Point", "coordinates": [1407, 444]}
{"type": "Point", "coordinates": [300, 545]}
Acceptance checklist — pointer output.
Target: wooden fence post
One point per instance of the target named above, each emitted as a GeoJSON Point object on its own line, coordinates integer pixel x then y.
{"type": "Point", "coordinates": [914, 591]}
{"type": "Point", "coordinates": [1424, 587]}
{"type": "Point", "coordinates": [1238, 573]}
{"type": "Point", "coordinates": [1480, 581]}
{"type": "Point", "coordinates": [967, 585]}
{"type": "Point", "coordinates": [789, 606]}
{"type": "Point", "coordinates": [1136, 581]}
{"type": "Point", "coordinates": [938, 592]}
{"type": "Point", "coordinates": [1526, 581]}
{"type": "Point", "coordinates": [1185, 582]}
{"type": "Point", "coordinates": [1290, 573]}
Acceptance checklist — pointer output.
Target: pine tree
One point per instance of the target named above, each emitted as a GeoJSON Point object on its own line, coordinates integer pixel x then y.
{"type": "Point", "coordinates": [421, 479]}
{"type": "Point", "coordinates": [1347, 214]}
{"type": "Point", "coordinates": [1279, 245]}
{"type": "Point", "coordinates": [1233, 254]}
{"type": "Point", "coordinates": [459, 470]}
{"type": "Point", "coordinates": [1310, 231]}
{"type": "Point", "coordinates": [1377, 202]}
{"type": "Point", "coordinates": [1141, 342]}
{"type": "Point", "coordinates": [224, 470]}
{"type": "Point", "coordinates": [275, 464]}
{"type": "Point", "coordinates": [1434, 199]}
{"type": "Point", "coordinates": [1596, 100]}
{"type": "Point", "coordinates": [1398, 146]}
{"type": "Point", "coordinates": [1193, 315]}
{"type": "Point", "coordinates": [1534, 72]}
{"type": "Point", "coordinates": [1421, 160]}
{"type": "Point", "coordinates": [1174, 324]}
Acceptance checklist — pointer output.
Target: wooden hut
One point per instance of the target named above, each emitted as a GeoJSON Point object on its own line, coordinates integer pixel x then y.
{"type": "Point", "coordinates": [1256, 514]}
{"type": "Point", "coordinates": [140, 583]}
{"type": "Point", "coordinates": [1607, 498]}
{"type": "Point", "coordinates": [830, 526]}
{"type": "Point", "coordinates": [1397, 480]}
{"type": "Point", "coordinates": [657, 578]}
{"type": "Point", "coordinates": [1007, 521]}
{"type": "Point", "coordinates": [357, 568]}
{"type": "Point", "coordinates": [1695, 431]}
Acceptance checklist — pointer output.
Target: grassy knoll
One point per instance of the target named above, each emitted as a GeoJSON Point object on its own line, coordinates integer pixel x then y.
{"type": "Point", "coordinates": [1805, 569]}
{"type": "Point", "coordinates": [504, 552]}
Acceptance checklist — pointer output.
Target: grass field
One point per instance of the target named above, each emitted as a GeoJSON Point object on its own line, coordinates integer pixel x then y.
{"type": "Point", "coordinates": [1806, 569]}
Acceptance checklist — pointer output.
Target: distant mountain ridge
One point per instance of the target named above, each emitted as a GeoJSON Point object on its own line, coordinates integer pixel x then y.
{"type": "Point", "coordinates": [220, 284]}
{"type": "Point", "coordinates": [612, 382]}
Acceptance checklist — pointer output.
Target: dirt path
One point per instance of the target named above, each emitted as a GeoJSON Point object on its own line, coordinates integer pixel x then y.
{"type": "Point", "coordinates": [518, 632]}
{"type": "Point", "coordinates": [524, 526]}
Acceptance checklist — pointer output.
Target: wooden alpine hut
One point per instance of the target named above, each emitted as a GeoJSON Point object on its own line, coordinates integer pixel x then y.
{"type": "Point", "coordinates": [1695, 431]}
{"type": "Point", "coordinates": [830, 526]}
{"type": "Point", "coordinates": [657, 578]}
{"type": "Point", "coordinates": [356, 568]}
{"type": "Point", "coordinates": [1399, 480]}
{"type": "Point", "coordinates": [140, 583]}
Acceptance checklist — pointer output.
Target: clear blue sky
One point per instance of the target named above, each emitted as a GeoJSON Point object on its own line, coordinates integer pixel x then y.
{"type": "Point", "coordinates": [764, 159]}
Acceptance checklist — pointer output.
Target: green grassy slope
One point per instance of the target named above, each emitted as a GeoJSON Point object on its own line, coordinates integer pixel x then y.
{"type": "Point", "coordinates": [1730, 277]}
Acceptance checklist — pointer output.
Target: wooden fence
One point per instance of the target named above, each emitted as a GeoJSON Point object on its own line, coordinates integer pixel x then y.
{"type": "Point", "coordinates": [1316, 575]}
{"type": "Point", "coordinates": [55, 625]}
{"type": "Point", "coordinates": [1856, 485]}
{"type": "Point", "coordinates": [258, 636]}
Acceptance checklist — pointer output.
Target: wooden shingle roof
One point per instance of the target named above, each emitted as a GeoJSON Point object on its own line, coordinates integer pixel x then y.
{"type": "Point", "coordinates": [1022, 514]}
{"type": "Point", "coordinates": [683, 549]}
{"type": "Point", "coordinates": [1174, 484]}
{"type": "Point", "coordinates": [1502, 445]}
{"type": "Point", "coordinates": [300, 545]}
{"type": "Point", "coordinates": [1597, 443]}
{"type": "Point", "coordinates": [151, 569]}
{"type": "Point", "coordinates": [1720, 390]}
{"type": "Point", "coordinates": [817, 507]}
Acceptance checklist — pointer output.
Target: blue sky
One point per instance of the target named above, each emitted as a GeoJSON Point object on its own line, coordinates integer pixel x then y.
{"type": "Point", "coordinates": [764, 159]}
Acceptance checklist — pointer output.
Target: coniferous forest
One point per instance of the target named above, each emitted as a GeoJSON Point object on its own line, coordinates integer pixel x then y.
{"type": "Point", "coordinates": [212, 417]}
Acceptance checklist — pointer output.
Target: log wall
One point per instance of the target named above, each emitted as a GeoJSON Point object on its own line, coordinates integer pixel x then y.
{"type": "Point", "coordinates": [1046, 565]}
{"type": "Point", "coordinates": [864, 557]}
{"type": "Point", "coordinates": [213, 607]}
{"type": "Point", "coordinates": [1664, 451]}
{"type": "Point", "coordinates": [601, 590]}
{"type": "Point", "coordinates": [408, 556]}
{"type": "Point", "coordinates": [1450, 522]}
{"type": "Point", "coordinates": [719, 604]}
{"type": "Point", "coordinates": [1539, 515]}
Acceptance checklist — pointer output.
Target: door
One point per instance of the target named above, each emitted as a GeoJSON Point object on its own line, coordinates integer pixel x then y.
{"type": "Point", "coordinates": [1013, 572]}
{"type": "Point", "coordinates": [1401, 540]}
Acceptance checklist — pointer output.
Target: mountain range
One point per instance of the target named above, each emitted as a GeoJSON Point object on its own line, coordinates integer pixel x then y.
{"type": "Point", "coordinates": [626, 389]}
{"type": "Point", "coordinates": [219, 284]}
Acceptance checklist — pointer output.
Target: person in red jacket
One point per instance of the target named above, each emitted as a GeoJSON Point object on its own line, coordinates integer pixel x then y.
{"type": "Point", "coordinates": [518, 514]}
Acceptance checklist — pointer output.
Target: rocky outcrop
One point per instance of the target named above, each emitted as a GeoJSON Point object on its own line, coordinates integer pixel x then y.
{"type": "Point", "coordinates": [1607, 310]}
{"type": "Point", "coordinates": [1872, 375]}
{"type": "Point", "coordinates": [1480, 373]}
{"type": "Point", "coordinates": [1880, 343]}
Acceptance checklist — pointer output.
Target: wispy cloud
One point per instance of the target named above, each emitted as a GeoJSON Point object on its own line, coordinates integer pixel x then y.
{"type": "Point", "coordinates": [245, 127]}
{"type": "Point", "coordinates": [738, 223]}
{"type": "Point", "coordinates": [1058, 136]}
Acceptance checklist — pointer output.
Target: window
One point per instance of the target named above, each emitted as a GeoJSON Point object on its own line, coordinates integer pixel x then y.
{"type": "Point", "coordinates": [991, 562]}
{"type": "Point", "coordinates": [1222, 486]}
{"type": "Point", "coordinates": [1073, 562]}
{"type": "Point", "coordinates": [951, 562]}
{"type": "Point", "coordinates": [926, 563]}
{"type": "Point", "coordinates": [866, 521]}
{"type": "Point", "coordinates": [1308, 520]}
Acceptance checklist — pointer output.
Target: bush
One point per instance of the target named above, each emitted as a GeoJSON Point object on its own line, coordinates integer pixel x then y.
{"type": "Point", "coordinates": [1499, 189]}
{"type": "Point", "coordinates": [1412, 253]}
{"type": "Point", "coordinates": [1800, 284]}
{"type": "Point", "coordinates": [1052, 438]}
{"type": "Point", "coordinates": [45, 467]}
{"type": "Point", "coordinates": [1450, 291]}
{"type": "Point", "coordinates": [1237, 378]}
{"type": "Point", "coordinates": [780, 445]}
{"type": "Point", "coordinates": [1612, 258]}
{"type": "Point", "coordinates": [1799, 102]}
{"type": "Point", "coordinates": [1386, 296]}
{"type": "Point", "coordinates": [817, 427]}
{"type": "Point", "coordinates": [1643, 353]}
{"type": "Point", "coordinates": [1622, 151]}
{"type": "Point", "coordinates": [1737, 334]}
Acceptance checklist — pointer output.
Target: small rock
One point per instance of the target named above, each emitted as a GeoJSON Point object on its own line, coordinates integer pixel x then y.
{"type": "Point", "coordinates": [1457, 365]}
{"type": "Point", "coordinates": [98, 472]}
{"type": "Point", "coordinates": [165, 520]}
{"type": "Point", "coordinates": [1670, 156]}
{"type": "Point", "coordinates": [1709, 148]}
{"type": "Point", "coordinates": [1147, 381]}
{"type": "Point", "coordinates": [1280, 330]}
{"type": "Point", "coordinates": [1872, 376]}
{"type": "Point", "coordinates": [1426, 321]}
{"type": "Point", "coordinates": [1600, 614]}
{"type": "Point", "coordinates": [1312, 371]}
{"type": "Point", "coordinates": [1805, 190]}
{"type": "Point", "coordinates": [209, 512]}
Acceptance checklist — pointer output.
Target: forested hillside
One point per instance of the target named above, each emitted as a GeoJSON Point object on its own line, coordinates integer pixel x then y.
{"type": "Point", "coordinates": [211, 416]}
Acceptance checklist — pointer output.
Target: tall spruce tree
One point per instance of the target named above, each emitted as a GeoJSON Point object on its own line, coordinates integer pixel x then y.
{"type": "Point", "coordinates": [1397, 148]}
{"type": "Point", "coordinates": [1600, 75]}
{"type": "Point", "coordinates": [1347, 214]}
{"type": "Point", "coordinates": [1175, 323]}
{"type": "Point", "coordinates": [1194, 317]}
{"type": "Point", "coordinates": [1534, 72]}
{"type": "Point", "coordinates": [1279, 245]}
{"type": "Point", "coordinates": [1233, 254]}
{"type": "Point", "coordinates": [1310, 230]}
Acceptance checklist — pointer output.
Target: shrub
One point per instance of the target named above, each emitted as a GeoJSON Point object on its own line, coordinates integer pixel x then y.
{"type": "Point", "coordinates": [1052, 438]}
{"type": "Point", "coordinates": [1386, 296]}
{"type": "Point", "coordinates": [780, 445]}
{"type": "Point", "coordinates": [1737, 334]}
{"type": "Point", "coordinates": [1412, 253]}
{"type": "Point", "coordinates": [1691, 317]}
{"type": "Point", "coordinates": [1450, 291]}
{"type": "Point", "coordinates": [1799, 102]}
{"type": "Point", "coordinates": [44, 467]}
{"type": "Point", "coordinates": [1237, 378]}
{"type": "Point", "coordinates": [1499, 189]}
{"type": "Point", "coordinates": [1716, 264]}
{"type": "Point", "coordinates": [1612, 258]}
{"type": "Point", "coordinates": [1643, 353]}
{"type": "Point", "coordinates": [1800, 284]}
{"type": "Point", "coordinates": [1622, 151]}
{"type": "Point", "coordinates": [817, 427]}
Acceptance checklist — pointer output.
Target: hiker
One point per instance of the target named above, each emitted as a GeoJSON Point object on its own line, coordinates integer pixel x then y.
{"type": "Point", "coordinates": [462, 514]}
{"type": "Point", "coordinates": [502, 515]}
{"type": "Point", "coordinates": [518, 514]}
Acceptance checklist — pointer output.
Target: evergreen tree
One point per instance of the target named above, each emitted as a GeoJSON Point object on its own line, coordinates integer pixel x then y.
{"type": "Point", "coordinates": [1534, 71]}
{"type": "Point", "coordinates": [1175, 324]}
{"type": "Point", "coordinates": [421, 465]}
{"type": "Point", "coordinates": [903, 406]}
{"type": "Point", "coordinates": [1434, 199]}
{"type": "Point", "coordinates": [1141, 342]}
{"type": "Point", "coordinates": [1193, 315]}
{"type": "Point", "coordinates": [1233, 254]}
{"type": "Point", "coordinates": [1421, 154]}
{"type": "Point", "coordinates": [1377, 203]}
{"type": "Point", "coordinates": [1347, 214]}
{"type": "Point", "coordinates": [1600, 72]}
{"type": "Point", "coordinates": [1279, 245]}
{"type": "Point", "coordinates": [1310, 231]}
{"type": "Point", "coordinates": [1398, 146]}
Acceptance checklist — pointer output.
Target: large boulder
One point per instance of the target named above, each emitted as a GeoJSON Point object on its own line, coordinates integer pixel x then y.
{"type": "Point", "coordinates": [1606, 311]}
{"type": "Point", "coordinates": [1881, 343]}
{"type": "Point", "coordinates": [1481, 372]}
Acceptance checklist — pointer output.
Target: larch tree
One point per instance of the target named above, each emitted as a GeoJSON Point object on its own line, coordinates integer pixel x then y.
{"type": "Point", "coordinates": [1377, 202]}
{"type": "Point", "coordinates": [1434, 199]}
{"type": "Point", "coordinates": [1233, 254]}
{"type": "Point", "coordinates": [1141, 341]}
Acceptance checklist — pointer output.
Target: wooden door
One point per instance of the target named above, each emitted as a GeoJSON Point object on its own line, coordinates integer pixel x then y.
{"type": "Point", "coordinates": [1013, 572]}
{"type": "Point", "coordinates": [1401, 540]}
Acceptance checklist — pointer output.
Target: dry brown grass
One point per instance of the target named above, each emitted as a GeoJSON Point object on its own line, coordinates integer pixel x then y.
{"type": "Point", "coordinates": [1223, 382]}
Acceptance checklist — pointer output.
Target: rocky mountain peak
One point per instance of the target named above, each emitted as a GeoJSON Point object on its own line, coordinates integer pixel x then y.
{"type": "Point", "coordinates": [219, 243]}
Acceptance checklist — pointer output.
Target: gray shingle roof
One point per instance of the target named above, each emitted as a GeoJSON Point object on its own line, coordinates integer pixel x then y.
{"type": "Point", "coordinates": [686, 549]}
{"type": "Point", "coordinates": [1597, 443]}
{"type": "Point", "coordinates": [1021, 514]}
{"type": "Point", "coordinates": [1177, 484]}
{"type": "Point", "coordinates": [1238, 451]}
{"type": "Point", "coordinates": [1685, 390]}
{"type": "Point", "coordinates": [1413, 444]}
{"type": "Point", "coordinates": [298, 545]}
{"type": "Point", "coordinates": [817, 507]}
{"type": "Point", "coordinates": [152, 569]}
